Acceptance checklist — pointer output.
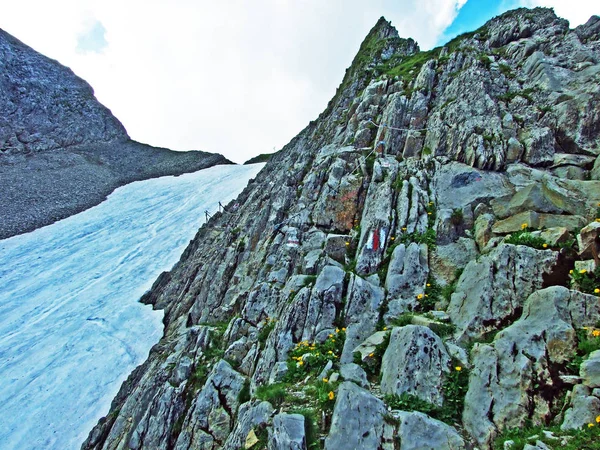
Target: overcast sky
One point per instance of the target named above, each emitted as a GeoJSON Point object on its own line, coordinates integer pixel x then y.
{"type": "Point", "coordinates": [237, 77]}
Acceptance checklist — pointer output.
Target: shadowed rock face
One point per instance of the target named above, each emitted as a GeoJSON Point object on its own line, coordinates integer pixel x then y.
{"type": "Point", "coordinates": [61, 151]}
{"type": "Point", "coordinates": [352, 225]}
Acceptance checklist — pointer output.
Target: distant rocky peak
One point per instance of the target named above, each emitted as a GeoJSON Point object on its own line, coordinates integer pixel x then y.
{"type": "Point", "coordinates": [524, 23]}
{"type": "Point", "coordinates": [45, 106]}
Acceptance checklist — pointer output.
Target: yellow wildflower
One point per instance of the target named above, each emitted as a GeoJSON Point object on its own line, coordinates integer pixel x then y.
{"type": "Point", "coordinates": [571, 271]}
{"type": "Point", "coordinates": [371, 355]}
{"type": "Point", "coordinates": [347, 244]}
{"type": "Point", "coordinates": [420, 296]}
{"type": "Point", "coordinates": [392, 238]}
{"type": "Point", "coordinates": [300, 363]}
{"type": "Point", "coordinates": [458, 368]}
{"type": "Point", "coordinates": [596, 333]}
{"type": "Point", "coordinates": [598, 419]}
{"type": "Point", "coordinates": [545, 245]}
{"type": "Point", "coordinates": [330, 352]}
{"type": "Point", "coordinates": [325, 380]}
{"type": "Point", "coordinates": [523, 226]}
{"type": "Point", "coordinates": [582, 271]}
{"type": "Point", "coordinates": [331, 395]}
{"type": "Point", "coordinates": [590, 425]}
{"type": "Point", "coordinates": [428, 213]}
{"type": "Point", "coordinates": [343, 329]}
{"type": "Point", "coordinates": [430, 203]}
{"type": "Point", "coordinates": [333, 340]}
{"type": "Point", "coordinates": [428, 285]}
{"type": "Point", "coordinates": [384, 328]}
{"type": "Point", "coordinates": [331, 335]}
{"type": "Point", "coordinates": [403, 228]}
{"type": "Point", "coordinates": [337, 330]}
{"type": "Point", "coordinates": [597, 219]}
{"type": "Point", "coordinates": [596, 291]}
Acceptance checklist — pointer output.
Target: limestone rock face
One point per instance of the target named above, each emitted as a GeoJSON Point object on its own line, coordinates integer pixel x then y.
{"type": "Point", "coordinates": [419, 166]}
{"type": "Point", "coordinates": [208, 422]}
{"type": "Point", "coordinates": [414, 363]}
{"type": "Point", "coordinates": [501, 391]}
{"type": "Point", "coordinates": [493, 290]}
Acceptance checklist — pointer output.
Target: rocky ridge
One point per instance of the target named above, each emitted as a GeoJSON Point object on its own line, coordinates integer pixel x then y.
{"type": "Point", "coordinates": [61, 151]}
{"type": "Point", "coordinates": [418, 268]}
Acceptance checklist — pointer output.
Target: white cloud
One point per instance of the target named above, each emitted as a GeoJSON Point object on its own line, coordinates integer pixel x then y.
{"type": "Point", "coordinates": [233, 77]}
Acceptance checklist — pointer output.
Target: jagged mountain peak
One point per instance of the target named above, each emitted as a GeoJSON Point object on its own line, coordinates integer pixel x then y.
{"type": "Point", "coordinates": [385, 29]}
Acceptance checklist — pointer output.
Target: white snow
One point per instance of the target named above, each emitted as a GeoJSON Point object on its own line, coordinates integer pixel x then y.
{"type": "Point", "coordinates": [71, 326]}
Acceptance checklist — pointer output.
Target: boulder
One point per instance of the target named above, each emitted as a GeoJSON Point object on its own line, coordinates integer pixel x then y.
{"type": "Point", "coordinates": [456, 185]}
{"type": "Point", "coordinates": [588, 241]}
{"type": "Point", "coordinates": [584, 409]}
{"type": "Point", "coordinates": [572, 223]}
{"type": "Point", "coordinates": [355, 373]}
{"type": "Point", "coordinates": [539, 147]}
{"type": "Point", "coordinates": [546, 197]}
{"type": "Point", "coordinates": [361, 311]}
{"type": "Point", "coordinates": [358, 420]}
{"type": "Point", "coordinates": [209, 419]}
{"type": "Point", "coordinates": [568, 159]}
{"type": "Point", "coordinates": [554, 236]}
{"type": "Point", "coordinates": [590, 370]}
{"type": "Point", "coordinates": [491, 290]}
{"type": "Point", "coordinates": [336, 247]}
{"type": "Point", "coordinates": [369, 345]}
{"type": "Point", "coordinates": [447, 259]}
{"type": "Point", "coordinates": [531, 198]}
{"type": "Point", "coordinates": [375, 223]}
{"type": "Point", "coordinates": [288, 432]}
{"type": "Point", "coordinates": [418, 431]}
{"type": "Point", "coordinates": [414, 363]}
{"type": "Point", "coordinates": [326, 297]}
{"type": "Point", "coordinates": [595, 173]}
{"type": "Point", "coordinates": [251, 417]}
{"type": "Point", "coordinates": [406, 277]}
{"type": "Point", "coordinates": [570, 172]}
{"type": "Point", "coordinates": [483, 230]}
{"type": "Point", "coordinates": [515, 223]}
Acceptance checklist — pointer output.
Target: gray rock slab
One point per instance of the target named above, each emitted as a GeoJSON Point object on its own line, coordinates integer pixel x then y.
{"type": "Point", "coordinates": [414, 363]}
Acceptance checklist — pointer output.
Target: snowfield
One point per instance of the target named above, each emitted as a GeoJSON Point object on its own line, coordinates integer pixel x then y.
{"type": "Point", "coordinates": [71, 326]}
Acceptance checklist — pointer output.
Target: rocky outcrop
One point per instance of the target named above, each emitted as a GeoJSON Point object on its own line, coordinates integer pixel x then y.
{"type": "Point", "coordinates": [61, 151]}
{"type": "Point", "coordinates": [414, 362]}
{"type": "Point", "coordinates": [513, 378]}
{"type": "Point", "coordinates": [335, 287]}
{"type": "Point", "coordinates": [358, 420]}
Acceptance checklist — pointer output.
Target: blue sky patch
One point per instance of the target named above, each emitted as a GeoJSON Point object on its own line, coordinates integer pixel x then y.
{"type": "Point", "coordinates": [92, 40]}
{"type": "Point", "coordinates": [474, 14]}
